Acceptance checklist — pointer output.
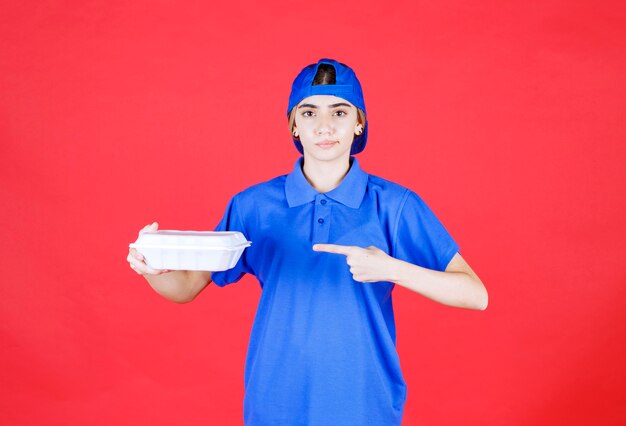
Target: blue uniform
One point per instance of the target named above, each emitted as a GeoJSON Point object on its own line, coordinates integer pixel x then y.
{"type": "Point", "coordinates": [322, 348]}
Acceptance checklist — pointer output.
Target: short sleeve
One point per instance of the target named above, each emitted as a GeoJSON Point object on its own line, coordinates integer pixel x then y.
{"type": "Point", "coordinates": [420, 237]}
{"type": "Point", "coordinates": [232, 221]}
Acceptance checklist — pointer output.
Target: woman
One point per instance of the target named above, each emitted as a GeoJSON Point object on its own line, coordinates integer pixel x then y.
{"type": "Point", "coordinates": [330, 241]}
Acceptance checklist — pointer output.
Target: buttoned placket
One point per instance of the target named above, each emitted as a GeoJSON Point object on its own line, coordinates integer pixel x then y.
{"type": "Point", "coordinates": [321, 219]}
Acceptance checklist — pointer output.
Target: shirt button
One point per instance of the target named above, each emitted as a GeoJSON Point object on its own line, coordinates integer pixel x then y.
{"type": "Point", "coordinates": [323, 201]}
{"type": "Point", "coordinates": [320, 220]}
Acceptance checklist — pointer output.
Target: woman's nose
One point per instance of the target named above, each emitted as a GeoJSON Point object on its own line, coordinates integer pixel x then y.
{"type": "Point", "coordinates": [324, 126]}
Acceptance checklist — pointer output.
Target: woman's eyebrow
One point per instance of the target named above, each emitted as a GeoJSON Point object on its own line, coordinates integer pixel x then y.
{"type": "Point", "coordinates": [340, 104]}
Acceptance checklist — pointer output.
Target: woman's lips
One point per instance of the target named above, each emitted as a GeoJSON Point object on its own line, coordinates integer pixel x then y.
{"type": "Point", "coordinates": [326, 144]}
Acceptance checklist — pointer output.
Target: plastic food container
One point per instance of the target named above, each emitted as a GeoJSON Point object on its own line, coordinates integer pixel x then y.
{"type": "Point", "coordinates": [191, 250]}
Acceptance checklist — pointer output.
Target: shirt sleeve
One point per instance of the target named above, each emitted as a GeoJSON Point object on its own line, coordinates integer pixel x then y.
{"type": "Point", "coordinates": [232, 221]}
{"type": "Point", "coordinates": [420, 237]}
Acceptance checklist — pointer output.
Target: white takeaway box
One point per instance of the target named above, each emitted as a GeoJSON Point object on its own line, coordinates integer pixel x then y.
{"type": "Point", "coordinates": [191, 250]}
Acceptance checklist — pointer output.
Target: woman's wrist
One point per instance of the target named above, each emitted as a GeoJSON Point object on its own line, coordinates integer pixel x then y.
{"type": "Point", "coordinates": [397, 270]}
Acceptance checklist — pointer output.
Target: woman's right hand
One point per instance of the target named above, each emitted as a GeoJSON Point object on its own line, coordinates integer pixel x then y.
{"type": "Point", "coordinates": [136, 260]}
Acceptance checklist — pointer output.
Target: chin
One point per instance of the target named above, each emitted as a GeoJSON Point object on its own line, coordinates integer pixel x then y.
{"type": "Point", "coordinates": [327, 155]}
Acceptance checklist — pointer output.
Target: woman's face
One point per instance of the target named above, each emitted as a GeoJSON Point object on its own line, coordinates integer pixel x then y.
{"type": "Point", "coordinates": [326, 126]}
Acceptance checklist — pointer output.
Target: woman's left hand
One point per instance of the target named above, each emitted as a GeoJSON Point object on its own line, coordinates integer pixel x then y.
{"type": "Point", "coordinates": [367, 265]}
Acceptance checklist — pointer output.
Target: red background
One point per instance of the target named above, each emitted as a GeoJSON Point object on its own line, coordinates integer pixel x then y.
{"type": "Point", "coordinates": [506, 117]}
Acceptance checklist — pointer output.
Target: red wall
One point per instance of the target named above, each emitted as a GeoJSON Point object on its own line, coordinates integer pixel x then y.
{"type": "Point", "coordinates": [507, 117]}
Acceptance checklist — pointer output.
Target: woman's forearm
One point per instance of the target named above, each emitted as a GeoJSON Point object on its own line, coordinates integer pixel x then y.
{"type": "Point", "coordinates": [458, 289]}
{"type": "Point", "coordinates": [179, 286]}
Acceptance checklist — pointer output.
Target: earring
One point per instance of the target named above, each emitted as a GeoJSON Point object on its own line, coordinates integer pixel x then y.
{"type": "Point", "coordinates": [295, 133]}
{"type": "Point", "coordinates": [359, 130]}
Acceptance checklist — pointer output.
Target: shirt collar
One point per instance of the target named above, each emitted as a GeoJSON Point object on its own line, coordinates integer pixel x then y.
{"type": "Point", "coordinates": [350, 191]}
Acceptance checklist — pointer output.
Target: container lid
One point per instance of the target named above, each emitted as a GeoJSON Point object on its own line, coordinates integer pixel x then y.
{"type": "Point", "coordinates": [192, 239]}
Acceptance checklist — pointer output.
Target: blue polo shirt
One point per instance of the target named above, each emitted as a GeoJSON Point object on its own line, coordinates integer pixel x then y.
{"type": "Point", "coordinates": [322, 348]}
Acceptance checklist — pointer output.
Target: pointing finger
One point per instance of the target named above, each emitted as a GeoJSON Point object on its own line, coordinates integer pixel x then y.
{"type": "Point", "coordinates": [334, 248]}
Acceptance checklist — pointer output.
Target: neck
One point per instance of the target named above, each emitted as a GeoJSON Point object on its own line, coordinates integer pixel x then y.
{"type": "Point", "coordinates": [325, 176]}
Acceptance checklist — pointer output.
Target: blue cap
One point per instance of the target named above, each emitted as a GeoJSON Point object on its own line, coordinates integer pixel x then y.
{"type": "Point", "coordinates": [347, 87]}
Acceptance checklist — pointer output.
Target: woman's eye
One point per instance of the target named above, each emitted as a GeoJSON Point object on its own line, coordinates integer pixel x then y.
{"type": "Point", "coordinates": [307, 114]}
{"type": "Point", "coordinates": [341, 113]}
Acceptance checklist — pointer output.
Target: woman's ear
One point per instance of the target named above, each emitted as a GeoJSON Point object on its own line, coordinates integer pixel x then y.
{"type": "Point", "coordinates": [295, 132]}
{"type": "Point", "coordinates": [358, 129]}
